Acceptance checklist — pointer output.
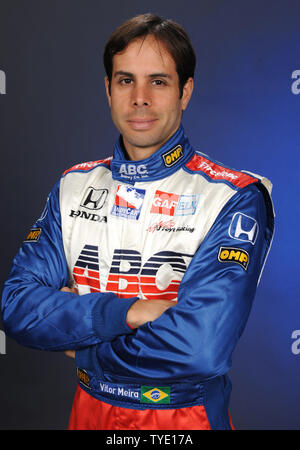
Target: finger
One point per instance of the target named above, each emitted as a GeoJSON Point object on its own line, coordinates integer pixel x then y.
{"type": "Point", "coordinates": [73, 289]}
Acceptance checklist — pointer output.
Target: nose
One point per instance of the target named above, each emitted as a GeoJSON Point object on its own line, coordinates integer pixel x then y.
{"type": "Point", "coordinates": [140, 95]}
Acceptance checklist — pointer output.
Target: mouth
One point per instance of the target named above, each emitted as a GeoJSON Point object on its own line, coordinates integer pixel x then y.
{"type": "Point", "coordinates": [141, 124]}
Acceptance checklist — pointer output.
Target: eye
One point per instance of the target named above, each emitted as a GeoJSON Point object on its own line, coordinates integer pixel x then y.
{"type": "Point", "coordinates": [125, 81]}
{"type": "Point", "coordinates": [158, 82]}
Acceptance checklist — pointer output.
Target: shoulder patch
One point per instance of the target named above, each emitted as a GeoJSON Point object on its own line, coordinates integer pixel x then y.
{"type": "Point", "coordinates": [88, 165]}
{"type": "Point", "coordinates": [217, 172]}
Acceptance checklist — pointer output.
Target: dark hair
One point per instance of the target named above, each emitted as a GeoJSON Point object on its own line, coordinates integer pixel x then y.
{"type": "Point", "coordinates": [170, 33]}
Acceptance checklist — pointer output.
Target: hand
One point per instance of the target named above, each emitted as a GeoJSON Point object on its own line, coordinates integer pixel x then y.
{"type": "Point", "coordinates": [70, 353]}
{"type": "Point", "coordinates": [143, 311]}
{"type": "Point", "coordinates": [74, 290]}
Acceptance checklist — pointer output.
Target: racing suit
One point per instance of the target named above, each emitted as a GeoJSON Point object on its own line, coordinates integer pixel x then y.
{"type": "Point", "coordinates": [177, 226]}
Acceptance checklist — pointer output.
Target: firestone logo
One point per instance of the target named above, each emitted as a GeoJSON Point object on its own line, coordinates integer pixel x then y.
{"type": "Point", "coordinates": [2, 82]}
{"type": "Point", "coordinates": [207, 168]}
{"type": "Point", "coordinates": [295, 88]}
{"type": "Point", "coordinates": [88, 165]}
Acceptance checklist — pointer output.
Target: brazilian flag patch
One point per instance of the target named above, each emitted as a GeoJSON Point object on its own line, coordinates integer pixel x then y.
{"type": "Point", "coordinates": [155, 394]}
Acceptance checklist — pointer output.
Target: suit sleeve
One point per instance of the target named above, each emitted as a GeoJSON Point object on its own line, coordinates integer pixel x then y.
{"type": "Point", "coordinates": [196, 337]}
{"type": "Point", "coordinates": [34, 310]}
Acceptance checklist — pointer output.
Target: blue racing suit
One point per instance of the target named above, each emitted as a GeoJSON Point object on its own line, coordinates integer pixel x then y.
{"type": "Point", "coordinates": [176, 226]}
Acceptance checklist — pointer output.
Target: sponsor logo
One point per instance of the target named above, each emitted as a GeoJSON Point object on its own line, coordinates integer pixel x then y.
{"type": "Point", "coordinates": [83, 377]}
{"type": "Point", "coordinates": [173, 204]}
{"type": "Point", "coordinates": [164, 203]}
{"type": "Point", "coordinates": [88, 165]}
{"type": "Point", "coordinates": [155, 394]}
{"type": "Point", "coordinates": [2, 343]}
{"type": "Point", "coordinates": [295, 88]}
{"type": "Point", "coordinates": [128, 202]}
{"type": "Point", "coordinates": [33, 235]}
{"type": "Point", "coordinates": [236, 255]}
{"type": "Point", "coordinates": [243, 228]}
{"type": "Point", "coordinates": [88, 216]}
{"type": "Point", "coordinates": [2, 82]}
{"type": "Point", "coordinates": [133, 170]}
{"type": "Point", "coordinates": [209, 169]}
{"type": "Point", "coordinates": [168, 226]}
{"type": "Point", "coordinates": [158, 278]}
{"type": "Point", "coordinates": [86, 269]}
{"type": "Point", "coordinates": [94, 198]}
{"type": "Point", "coordinates": [218, 172]}
{"type": "Point", "coordinates": [187, 205]}
{"type": "Point", "coordinates": [172, 156]}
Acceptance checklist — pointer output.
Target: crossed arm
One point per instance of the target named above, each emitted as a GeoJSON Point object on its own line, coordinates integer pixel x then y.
{"type": "Point", "coordinates": [214, 300]}
{"type": "Point", "coordinates": [140, 312]}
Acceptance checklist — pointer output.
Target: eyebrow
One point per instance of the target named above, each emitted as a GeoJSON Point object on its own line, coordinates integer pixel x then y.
{"type": "Point", "coordinates": [152, 75]}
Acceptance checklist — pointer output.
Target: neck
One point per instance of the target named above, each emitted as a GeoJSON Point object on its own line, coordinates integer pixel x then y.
{"type": "Point", "coordinates": [139, 153]}
{"type": "Point", "coordinates": [162, 162]}
{"type": "Point", "coordinates": [135, 153]}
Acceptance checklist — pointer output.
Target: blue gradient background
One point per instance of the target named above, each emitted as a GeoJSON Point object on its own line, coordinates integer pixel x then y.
{"type": "Point", "coordinates": [243, 113]}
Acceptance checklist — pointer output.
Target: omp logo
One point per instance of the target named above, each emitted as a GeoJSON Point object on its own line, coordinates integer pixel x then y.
{"type": "Point", "coordinates": [295, 88]}
{"type": "Point", "coordinates": [2, 343]}
{"type": "Point", "coordinates": [158, 278]}
{"type": "Point", "coordinates": [236, 255]}
{"type": "Point", "coordinates": [172, 156]}
{"type": "Point", "coordinates": [2, 82]}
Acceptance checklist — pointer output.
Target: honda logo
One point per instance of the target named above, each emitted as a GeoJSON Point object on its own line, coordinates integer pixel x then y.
{"type": "Point", "coordinates": [94, 198]}
{"type": "Point", "coordinates": [243, 228]}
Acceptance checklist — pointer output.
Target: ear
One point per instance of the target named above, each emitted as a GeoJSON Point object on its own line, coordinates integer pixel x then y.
{"type": "Point", "coordinates": [106, 80]}
{"type": "Point", "coordinates": [187, 93]}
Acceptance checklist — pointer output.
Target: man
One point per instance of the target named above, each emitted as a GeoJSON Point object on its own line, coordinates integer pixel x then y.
{"type": "Point", "coordinates": [164, 246]}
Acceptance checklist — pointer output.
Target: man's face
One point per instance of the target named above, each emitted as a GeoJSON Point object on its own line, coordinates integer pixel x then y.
{"type": "Point", "coordinates": [144, 96]}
